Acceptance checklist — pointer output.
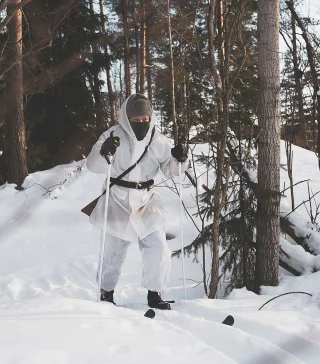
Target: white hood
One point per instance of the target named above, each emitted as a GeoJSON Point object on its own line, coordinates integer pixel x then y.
{"type": "Point", "coordinates": [132, 212]}
{"type": "Point", "coordinates": [125, 124]}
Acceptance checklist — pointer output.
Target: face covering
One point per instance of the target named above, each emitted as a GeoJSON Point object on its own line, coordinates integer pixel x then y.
{"type": "Point", "coordinates": [140, 129]}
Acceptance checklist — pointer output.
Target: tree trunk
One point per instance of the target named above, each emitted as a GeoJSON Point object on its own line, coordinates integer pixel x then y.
{"type": "Point", "coordinates": [221, 31]}
{"type": "Point", "coordinates": [16, 161]}
{"type": "Point", "coordinates": [127, 74]}
{"type": "Point", "coordinates": [149, 69]}
{"type": "Point", "coordinates": [287, 227]}
{"type": "Point", "coordinates": [213, 67]}
{"type": "Point", "coordinates": [218, 87]}
{"type": "Point", "coordinates": [171, 70]}
{"type": "Point", "coordinates": [311, 60]}
{"type": "Point", "coordinates": [136, 33]}
{"type": "Point", "coordinates": [143, 34]}
{"type": "Point", "coordinates": [268, 218]}
{"type": "Point", "coordinates": [111, 96]}
{"type": "Point", "coordinates": [96, 81]}
{"type": "Point", "coordinates": [13, 5]}
{"type": "Point", "coordinates": [121, 85]}
{"type": "Point", "coordinates": [298, 86]}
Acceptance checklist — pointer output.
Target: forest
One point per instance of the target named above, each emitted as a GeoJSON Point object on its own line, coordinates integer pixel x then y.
{"type": "Point", "coordinates": [215, 75]}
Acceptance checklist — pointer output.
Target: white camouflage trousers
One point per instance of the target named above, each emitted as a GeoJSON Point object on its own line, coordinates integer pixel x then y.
{"type": "Point", "coordinates": [156, 261]}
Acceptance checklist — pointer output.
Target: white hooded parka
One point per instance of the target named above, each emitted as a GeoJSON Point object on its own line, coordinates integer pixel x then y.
{"type": "Point", "coordinates": [133, 213]}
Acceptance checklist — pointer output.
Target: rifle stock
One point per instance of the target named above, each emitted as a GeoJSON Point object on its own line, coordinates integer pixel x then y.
{"type": "Point", "coordinates": [90, 207]}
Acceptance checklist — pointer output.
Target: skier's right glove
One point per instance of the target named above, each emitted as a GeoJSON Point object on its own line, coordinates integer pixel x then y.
{"type": "Point", "coordinates": [109, 147]}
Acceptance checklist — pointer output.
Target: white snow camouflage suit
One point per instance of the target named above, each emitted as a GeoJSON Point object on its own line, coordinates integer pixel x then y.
{"type": "Point", "coordinates": [134, 214]}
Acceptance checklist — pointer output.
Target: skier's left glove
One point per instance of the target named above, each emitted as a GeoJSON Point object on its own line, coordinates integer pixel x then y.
{"type": "Point", "coordinates": [180, 152]}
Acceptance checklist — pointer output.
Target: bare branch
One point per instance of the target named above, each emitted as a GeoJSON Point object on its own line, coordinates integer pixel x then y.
{"type": "Point", "coordinates": [284, 294]}
{"type": "Point", "coordinates": [6, 20]}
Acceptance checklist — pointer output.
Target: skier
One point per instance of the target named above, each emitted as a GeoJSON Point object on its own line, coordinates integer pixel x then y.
{"type": "Point", "coordinates": [135, 211]}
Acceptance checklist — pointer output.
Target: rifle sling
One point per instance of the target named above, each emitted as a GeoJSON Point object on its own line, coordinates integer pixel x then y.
{"type": "Point", "coordinates": [90, 207]}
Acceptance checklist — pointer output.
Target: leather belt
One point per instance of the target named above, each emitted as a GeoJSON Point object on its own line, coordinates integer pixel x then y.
{"type": "Point", "coordinates": [136, 185]}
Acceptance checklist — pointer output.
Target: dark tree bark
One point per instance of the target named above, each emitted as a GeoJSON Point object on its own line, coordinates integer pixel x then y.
{"type": "Point", "coordinates": [113, 115]}
{"type": "Point", "coordinates": [218, 87]}
{"type": "Point", "coordinates": [171, 70]}
{"type": "Point", "coordinates": [137, 40]}
{"type": "Point", "coordinates": [268, 217]}
{"type": "Point", "coordinates": [221, 83]}
{"type": "Point", "coordinates": [12, 7]}
{"type": "Point", "coordinates": [213, 67]}
{"type": "Point", "coordinates": [310, 52]}
{"type": "Point", "coordinates": [96, 81]}
{"type": "Point", "coordinates": [149, 68]}
{"type": "Point", "coordinates": [16, 158]}
{"type": "Point", "coordinates": [298, 86]}
{"type": "Point", "coordinates": [127, 73]}
{"type": "Point", "coordinates": [143, 35]}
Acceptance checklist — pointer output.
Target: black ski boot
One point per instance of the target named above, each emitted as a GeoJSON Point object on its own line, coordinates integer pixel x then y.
{"type": "Point", "coordinates": [107, 296]}
{"type": "Point", "coordinates": [155, 301]}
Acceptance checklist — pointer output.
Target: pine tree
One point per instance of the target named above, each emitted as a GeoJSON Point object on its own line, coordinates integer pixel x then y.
{"type": "Point", "coordinates": [61, 114]}
{"type": "Point", "coordinates": [15, 151]}
{"type": "Point", "coordinates": [268, 218]}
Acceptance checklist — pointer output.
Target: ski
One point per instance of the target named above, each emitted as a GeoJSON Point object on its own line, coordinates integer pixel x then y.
{"type": "Point", "coordinates": [229, 320]}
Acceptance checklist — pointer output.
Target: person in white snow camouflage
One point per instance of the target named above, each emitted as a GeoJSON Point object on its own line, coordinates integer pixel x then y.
{"type": "Point", "coordinates": [135, 211]}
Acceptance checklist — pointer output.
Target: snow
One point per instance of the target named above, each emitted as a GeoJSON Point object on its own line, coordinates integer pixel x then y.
{"type": "Point", "coordinates": [48, 308]}
{"type": "Point", "coordinates": [305, 167]}
{"type": "Point", "coordinates": [301, 260]}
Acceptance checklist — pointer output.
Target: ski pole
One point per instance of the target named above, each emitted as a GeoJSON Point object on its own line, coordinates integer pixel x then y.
{"type": "Point", "coordinates": [181, 231]}
{"type": "Point", "coordinates": [104, 228]}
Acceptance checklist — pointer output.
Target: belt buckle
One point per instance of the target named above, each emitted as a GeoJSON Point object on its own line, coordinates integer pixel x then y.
{"type": "Point", "coordinates": [138, 185]}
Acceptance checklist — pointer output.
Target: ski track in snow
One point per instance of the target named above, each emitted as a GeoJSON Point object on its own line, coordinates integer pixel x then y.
{"type": "Point", "coordinates": [275, 333]}
{"type": "Point", "coordinates": [215, 334]}
{"type": "Point", "coordinates": [238, 340]}
{"type": "Point", "coordinates": [48, 313]}
{"type": "Point", "coordinates": [41, 323]}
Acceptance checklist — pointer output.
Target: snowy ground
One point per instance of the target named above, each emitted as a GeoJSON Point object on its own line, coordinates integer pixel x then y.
{"type": "Point", "coordinates": [48, 308]}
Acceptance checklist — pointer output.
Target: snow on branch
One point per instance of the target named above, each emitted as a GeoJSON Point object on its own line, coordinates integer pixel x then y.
{"type": "Point", "coordinates": [54, 193]}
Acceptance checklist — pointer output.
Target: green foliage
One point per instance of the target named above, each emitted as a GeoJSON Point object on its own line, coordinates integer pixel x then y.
{"type": "Point", "coordinates": [66, 44]}
{"type": "Point", "coordinates": [238, 241]}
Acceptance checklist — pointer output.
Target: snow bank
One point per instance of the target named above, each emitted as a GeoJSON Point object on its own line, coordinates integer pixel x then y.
{"type": "Point", "coordinates": [48, 308]}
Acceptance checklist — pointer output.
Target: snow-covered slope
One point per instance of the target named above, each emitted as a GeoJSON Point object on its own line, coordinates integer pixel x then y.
{"type": "Point", "coordinates": [48, 308]}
